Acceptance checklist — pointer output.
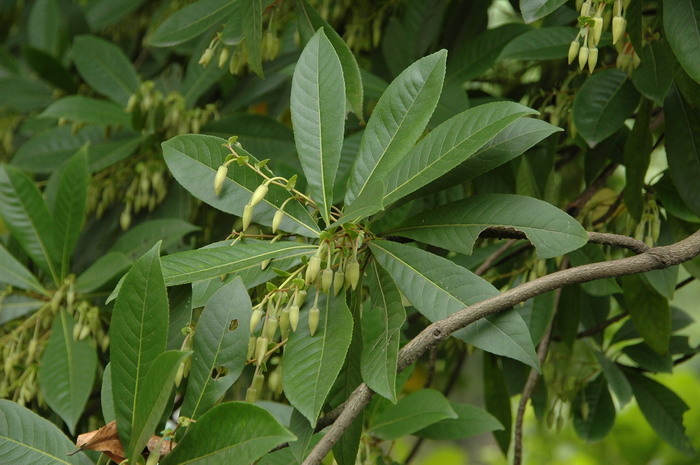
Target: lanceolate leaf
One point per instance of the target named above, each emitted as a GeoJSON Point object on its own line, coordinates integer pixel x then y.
{"type": "Point", "coordinates": [603, 104]}
{"type": "Point", "coordinates": [67, 371]}
{"type": "Point", "coordinates": [106, 68]}
{"type": "Point", "coordinates": [412, 413]}
{"type": "Point", "coordinates": [138, 335]}
{"type": "Point", "coordinates": [682, 28]}
{"type": "Point", "coordinates": [381, 331]}
{"type": "Point", "coordinates": [153, 398]}
{"type": "Point", "coordinates": [24, 211]}
{"type": "Point", "coordinates": [70, 205]}
{"type": "Point", "coordinates": [220, 346]}
{"type": "Point", "coordinates": [437, 287]}
{"type": "Point", "coordinates": [397, 121]}
{"type": "Point", "coordinates": [234, 432]}
{"type": "Point", "coordinates": [318, 115]}
{"type": "Point", "coordinates": [194, 160]}
{"type": "Point", "coordinates": [12, 272]}
{"type": "Point", "coordinates": [595, 399]}
{"type": "Point", "coordinates": [513, 141]}
{"type": "Point", "coordinates": [654, 75]}
{"type": "Point", "coordinates": [309, 22]}
{"type": "Point", "coordinates": [470, 421]}
{"type": "Point", "coordinates": [251, 12]}
{"type": "Point", "coordinates": [105, 269]}
{"type": "Point", "coordinates": [25, 437]}
{"type": "Point", "coordinates": [448, 145]}
{"type": "Point", "coordinates": [663, 409]}
{"type": "Point", "coordinates": [616, 379]}
{"type": "Point", "coordinates": [192, 20]}
{"type": "Point", "coordinates": [457, 225]}
{"type": "Point", "coordinates": [535, 9]}
{"type": "Point", "coordinates": [311, 363]}
{"type": "Point", "coordinates": [196, 265]}
{"type": "Point", "coordinates": [650, 313]}
{"type": "Point", "coordinates": [87, 110]}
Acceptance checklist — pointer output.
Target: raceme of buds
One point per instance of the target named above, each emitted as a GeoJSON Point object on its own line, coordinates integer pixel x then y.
{"type": "Point", "coordinates": [314, 317]}
{"type": "Point", "coordinates": [573, 50]}
{"type": "Point", "coordinates": [312, 269]}
{"type": "Point", "coordinates": [352, 274]}
{"type": "Point", "coordinates": [618, 28]}
{"type": "Point", "coordinates": [260, 350]}
{"type": "Point", "coordinates": [206, 57]}
{"type": "Point", "coordinates": [220, 178]}
{"type": "Point", "coordinates": [247, 216]}
{"type": "Point", "coordinates": [592, 58]}
{"type": "Point", "coordinates": [338, 282]}
{"type": "Point", "coordinates": [258, 195]}
{"type": "Point", "coordinates": [255, 319]}
{"type": "Point", "coordinates": [294, 317]}
{"type": "Point", "coordinates": [582, 58]}
{"type": "Point", "coordinates": [597, 29]}
{"type": "Point", "coordinates": [326, 279]}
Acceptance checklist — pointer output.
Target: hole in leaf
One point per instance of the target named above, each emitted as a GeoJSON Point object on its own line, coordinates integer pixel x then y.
{"type": "Point", "coordinates": [233, 325]}
{"type": "Point", "coordinates": [219, 372]}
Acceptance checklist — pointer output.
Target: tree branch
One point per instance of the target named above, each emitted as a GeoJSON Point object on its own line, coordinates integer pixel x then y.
{"type": "Point", "coordinates": [652, 259]}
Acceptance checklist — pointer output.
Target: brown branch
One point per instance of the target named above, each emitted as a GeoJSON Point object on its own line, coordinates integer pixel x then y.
{"type": "Point", "coordinates": [488, 263]}
{"type": "Point", "coordinates": [577, 205]}
{"type": "Point", "coordinates": [653, 259]}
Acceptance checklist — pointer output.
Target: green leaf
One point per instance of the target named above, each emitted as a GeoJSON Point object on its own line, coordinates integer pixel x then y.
{"type": "Point", "coordinates": [106, 68]}
{"type": "Point", "coordinates": [15, 274]}
{"type": "Point", "coordinates": [437, 287]}
{"type": "Point", "coordinates": [198, 79]}
{"type": "Point", "coordinates": [87, 110]}
{"type": "Point", "coordinates": [457, 225]}
{"type": "Point", "coordinates": [318, 116]}
{"type": "Point", "coordinates": [67, 371]}
{"type": "Point", "coordinates": [259, 134]}
{"type": "Point", "coordinates": [49, 149]}
{"type": "Point", "coordinates": [397, 121]}
{"type": "Point", "coordinates": [196, 265]}
{"type": "Point", "coordinates": [106, 398]}
{"type": "Point", "coordinates": [637, 154]}
{"type": "Point", "coordinates": [191, 21]}
{"type": "Point", "coordinates": [16, 306]}
{"type": "Point", "coordinates": [194, 160]}
{"type": "Point", "coordinates": [648, 360]}
{"type": "Point", "coordinates": [70, 206]}
{"type": "Point", "coordinates": [616, 379]}
{"type": "Point", "coordinates": [301, 428]}
{"type": "Point", "coordinates": [381, 331]}
{"type": "Point", "coordinates": [102, 271]}
{"type": "Point", "coordinates": [180, 301]}
{"type": "Point", "coordinates": [683, 148]}
{"type": "Point", "coordinates": [600, 411]}
{"type": "Point", "coordinates": [603, 104]}
{"type": "Point", "coordinates": [218, 348]}
{"type": "Point", "coordinates": [234, 432]}
{"type": "Point", "coordinates": [412, 413]}
{"type": "Point", "coordinates": [26, 438]}
{"type": "Point", "coordinates": [470, 421]}
{"type": "Point", "coordinates": [449, 145]}
{"type": "Point", "coordinates": [654, 75]}
{"type": "Point", "coordinates": [682, 28]}
{"type": "Point", "coordinates": [312, 363]}
{"type": "Point", "coordinates": [50, 69]}
{"type": "Point", "coordinates": [138, 335]}
{"type": "Point", "coordinates": [153, 397]}
{"type": "Point", "coordinates": [27, 217]}
{"type": "Point", "coordinates": [43, 26]}
{"type": "Point", "coordinates": [663, 409]}
{"type": "Point", "coordinates": [497, 399]}
{"type": "Point", "coordinates": [24, 95]}
{"type": "Point", "coordinates": [533, 10]}
{"type": "Point", "coordinates": [139, 239]}
{"type": "Point", "coordinates": [102, 13]}
{"type": "Point", "coordinates": [475, 56]}
{"type": "Point", "coordinates": [513, 141]}
{"type": "Point", "coordinates": [650, 312]}
{"type": "Point", "coordinates": [547, 43]}
{"type": "Point", "coordinates": [232, 34]}
{"type": "Point", "coordinates": [251, 14]}
{"type": "Point", "coordinates": [310, 21]}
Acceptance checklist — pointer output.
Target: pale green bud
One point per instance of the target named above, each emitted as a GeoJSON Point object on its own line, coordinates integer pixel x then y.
{"type": "Point", "coordinates": [247, 216]}
{"type": "Point", "coordinates": [352, 274]}
{"type": "Point", "coordinates": [258, 381]}
{"type": "Point", "coordinates": [573, 50]}
{"type": "Point", "coordinates": [597, 29]}
{"type": "Point", "coordinates": [85, 332]}
{"type": "Point", "coordinates": [251, 395]}
{"type": "Point", "coordinates": [277, 220]}
{"type": "Point", "coordinates": [592, 59]}
{"type": "Point", "coordinates": [255, 319]}
{"type": "Point", "coordinates": [224, 56]}
{"type": "Point", "coordinates": [284, 323]}
{"type": "Point", "coordinates": [294, 317]}
{"type": "Point", "coordinates": [220, 178]}
{"type": "Point", "coordinates": [300, 298]}
{"type": "Point", "coordinates": [251, 347]}
{"type": "Point", "coordinates": [618, 28]}
{"type": "Point", "coordinates": [326, 279]}
{"type": "Point", "coordinates": [312, 269]}
{"type": "Point", "coordinates": [271, 328]}
{"type": "Point", "coordinates": [314, 317]}
{"type": "Point", "coordinates": [338, 282]}
{"type": "Point", "coordinates": [258, 195]}
{"type": "Point", "coordinates": [260, 350]}
{"type": "Point", "coordinates": [582, 57]}
{"type": "Point", "coordinates": [180, 374]}
{"type": "Point", "coordinates": [585, 8]}
{"type": "Point", "coordinates": [206, 57]}
{"type": "Point", "coordinates": [274, 381]}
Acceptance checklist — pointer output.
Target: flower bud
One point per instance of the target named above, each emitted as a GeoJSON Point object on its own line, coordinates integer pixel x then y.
{"type": "Point", "coordinates": [220, 178]}
{"type": "Point", "coordinates": [326, 280]}
{"type": "Point", "coordinates": [573, 50]}
{"type": "Point", "coordinates": [251, 395]}
{"type": "Point", "coordinates": [180, 374]}
{"type": "Point", "coordinates": [352, 274]}
{"type": "Point", "coordinates": [585, 8]}
{"type": "Point", "coordinates": [277, 220]}
{"type": "Point", "coordinates": [125, 218]}
{"type": "Point", "coordinates": [265, 263]}
{"type": "Point", "coordinates": [85, 332]}
{"type": "Point", "coordinates": [618, 26]}
{"type": "Point", "coordinates": [284, 323]}
{"type": "Point", "coordinates": [338, 282]}
{"type": "Point", "coordinates": [300, 298]}
{"type": "Point", "coordinates": [206, 57]}
{"type": "Point", "coordinates": [258, 381]}
{"type": "Point", "coordinates": [294, 317]}
{"type": "Point", "coordinates": [223, 57]}
{"type": "Point", "coordinates": [258, 195]}
{"type": "Point", "coordinates": [312, 269]}
{"type": "Point", "coordinates": [274, 381]}
{"type": "Point", "coordinates": [251, 347]}
{"type": "Point", "coordinates": [131, 104]}
{"type": "Point", "coordinates": [582, 57]}
{"type": "Point", "coordinates": [592, 59]}
{"type": "Point", "coordinates": [314, 317]}
{"type": "Point", "coordinates": [247, 216]}
{"type": "Point", "coordinates": [271, 328]}
{"type": "Point", "coordinates": [255, 319]}
{"type": "Point", "coordinates": [597, 29]}
{"type": "Point", "coordinates": [260, 350]}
